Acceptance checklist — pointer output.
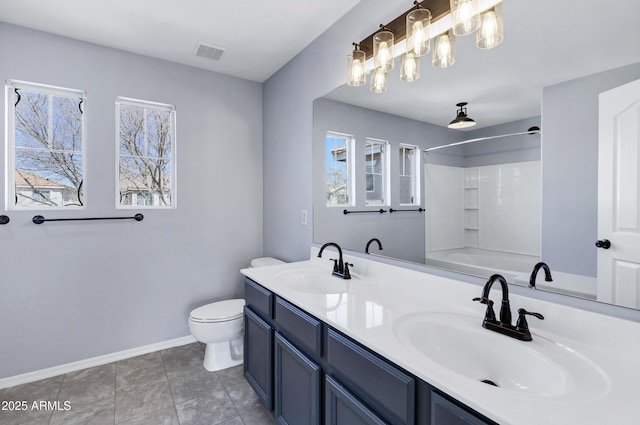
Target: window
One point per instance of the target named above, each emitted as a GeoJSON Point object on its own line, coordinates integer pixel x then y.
{"type": "Point", "coordinates": [338, 159]}
{"type": "Point", "coordinates": [45, 128]}
{"type": "Point", "coordinates": [376, 172]}
{"type": "Point", "coordinates": [146, 146]}
{"type": "Point", "coordinates": [409, 172]}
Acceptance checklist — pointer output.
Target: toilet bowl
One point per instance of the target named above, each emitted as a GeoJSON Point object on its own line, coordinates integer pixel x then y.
{"type": "Point", "coordinates": [219, 325]}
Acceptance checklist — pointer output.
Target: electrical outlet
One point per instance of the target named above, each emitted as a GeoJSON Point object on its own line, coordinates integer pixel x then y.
{"type": "Point", "coordinates": [304, 217]}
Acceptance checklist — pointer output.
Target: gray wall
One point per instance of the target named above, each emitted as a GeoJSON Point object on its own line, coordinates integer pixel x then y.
{"type": "Point", "coordinates": [76, 290]}
{"type": "Point", "coordinates": [570, 169]}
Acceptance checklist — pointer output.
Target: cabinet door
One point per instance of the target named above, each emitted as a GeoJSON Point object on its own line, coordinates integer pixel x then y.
{"type": "Point", "coordinates": [297, 385]}
{"type": "Point", "coordinates": [342, 408]}
{"type": "Point", "coordinates": [445, 412]}
{"type": "Point", "coordinates": [258, 356]}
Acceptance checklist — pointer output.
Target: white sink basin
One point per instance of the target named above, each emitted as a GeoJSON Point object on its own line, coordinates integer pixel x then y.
{"type": "Point", "coordinates": [314, 281]}
{"type": "Point", "coordinates": [541, 367]}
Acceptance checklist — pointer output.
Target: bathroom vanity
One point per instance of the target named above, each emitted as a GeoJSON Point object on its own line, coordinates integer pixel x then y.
{"type": "Point", "coordinates": [396, 346]}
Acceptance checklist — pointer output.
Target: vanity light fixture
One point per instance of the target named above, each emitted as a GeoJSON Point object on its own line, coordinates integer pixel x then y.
{"type": "Point", "coordinates": [418, 31]}
{"type": "Point", "coordinates": [462, 120]}
{"type": "Point", "coordinates": [415, 28]}
{"type": "Point", "coordinates": [409, 67]}
{"type": "Point", "coordinates": [383, 42]}
{"type": "Point", "coordinates": [491, 31]}
{"type": "Point", "coordinates": [356, 65]}
{"type": "Point", "coordinates": [444, 50]}
{"type": "Point", "coordinates": [464, 16]}
{"type": "Point", "coordinates": [379, 80]}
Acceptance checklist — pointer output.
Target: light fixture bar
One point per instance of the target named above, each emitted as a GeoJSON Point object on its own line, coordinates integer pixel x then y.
{"type": "Point", "coordinates": [440, 22]}
{"type": "Point", "coordinates": [438, 9]}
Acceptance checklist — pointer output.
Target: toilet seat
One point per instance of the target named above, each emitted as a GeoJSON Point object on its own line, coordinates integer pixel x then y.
{"type": "Point", "coordinates": [220, 311]}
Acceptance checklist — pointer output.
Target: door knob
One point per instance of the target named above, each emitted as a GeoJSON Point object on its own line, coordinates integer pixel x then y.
{"type": "Point", "coordinates": [603, 243]}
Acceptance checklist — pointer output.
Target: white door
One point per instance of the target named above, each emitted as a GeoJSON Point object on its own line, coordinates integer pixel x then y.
{"type": "Point", "coordinates": [619, 196]}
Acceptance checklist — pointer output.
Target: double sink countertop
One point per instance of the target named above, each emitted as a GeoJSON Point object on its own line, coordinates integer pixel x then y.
{"type": "Point", "coordinates": [581, 367]}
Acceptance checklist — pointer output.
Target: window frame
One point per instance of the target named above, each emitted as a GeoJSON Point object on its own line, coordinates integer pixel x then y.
{"type": "Point", "coordinates": [10, 149]}
{"type": "Point", "coordinates": [350, 163]}
{"type": "Point", "coordinates": [386, 190]}
{"type": "Point", "coordinates": [415, 176]}
{"type": "Point", "coordinates": [164, 107]}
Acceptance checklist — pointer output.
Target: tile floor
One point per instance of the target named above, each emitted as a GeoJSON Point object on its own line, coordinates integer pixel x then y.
{"type": "Point", "coordinates": [168, 387]}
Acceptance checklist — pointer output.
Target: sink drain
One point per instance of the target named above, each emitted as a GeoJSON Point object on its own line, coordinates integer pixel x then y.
{"type": "Point", "coordinates": [489, 382]}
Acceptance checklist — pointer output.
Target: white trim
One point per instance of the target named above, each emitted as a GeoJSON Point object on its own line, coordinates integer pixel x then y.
{"type": "Point", "coordinates": [94, 361]}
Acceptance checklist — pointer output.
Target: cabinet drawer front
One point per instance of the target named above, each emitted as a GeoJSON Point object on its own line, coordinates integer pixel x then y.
{"type": "Point", "coordinates": [342, 408]}
{"type": "Point", "coordinates": [258, 298]}
{"type": "Point", "coordinates": [300, 327]}
{"type": "Point", "coordinates": [373, 380]}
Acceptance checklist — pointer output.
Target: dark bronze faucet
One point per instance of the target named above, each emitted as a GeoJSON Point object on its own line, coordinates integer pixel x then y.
{"type": "Point", "coordinates": [340, 268]}
{"type": "Point", "coordinates": [504, 326]}
{"type": "Point", "coordinates": [534, 274]}
{"type": "Point", "coordinates": [366, 249]}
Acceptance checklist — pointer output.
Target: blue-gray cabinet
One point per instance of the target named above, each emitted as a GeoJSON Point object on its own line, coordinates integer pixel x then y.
{"type": "Point", "coordinates": [297, 385]}
{"type": "Point", "coordinates": [306, 372]}
{"type": "Point", "coordinates": [258, 360]}
{"type": "Point", "coordinates": [343, 408]}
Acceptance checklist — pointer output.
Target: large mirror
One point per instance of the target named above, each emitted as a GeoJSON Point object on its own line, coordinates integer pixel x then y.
{"type": "Point", "coordinates": [514, 196]}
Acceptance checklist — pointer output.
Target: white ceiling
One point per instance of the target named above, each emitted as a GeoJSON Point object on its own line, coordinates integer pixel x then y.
{"type": "Point", "coordinates": [546, 42]}
{"type": "Point", "coordinates": [259, 36]}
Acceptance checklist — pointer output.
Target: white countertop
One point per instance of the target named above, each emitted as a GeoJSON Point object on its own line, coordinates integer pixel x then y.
{"type": "Point", "coordinates": [380, 296]}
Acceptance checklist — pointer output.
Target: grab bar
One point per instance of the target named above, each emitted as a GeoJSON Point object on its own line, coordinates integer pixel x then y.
{"type": "Point", "coordinates": [391, 210]}
{"type": "Point", "coordinates": [38, 219]}
{"type": "Point", "coordinates": [381, 211]}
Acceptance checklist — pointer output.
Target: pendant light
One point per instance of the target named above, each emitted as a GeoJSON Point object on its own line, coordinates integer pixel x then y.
{"type": "Point", "coordinates": [491, 31]}
{"type": "Point", "coordinates": [355, 67]}
{"type": "Point", "coordinates": [418, 28]}
{"type": "Point", "coordinates": [444, 50]}
{"type": "Point", "coordinates": [378, 81]}
{"type": "Point", "coordinates": [409, 67]}
{"type": "Point", "coordinates": [383, 43]}
{"type": "Point", "coordinates": [464, 16]}
{"type": "Point", "coordinates": [461, 120]}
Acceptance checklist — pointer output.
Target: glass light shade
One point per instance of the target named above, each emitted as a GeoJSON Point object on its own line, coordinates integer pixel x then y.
{"type": "Point", "coordinates": [418, 26]}
{"type": "Point", "coordinates": [383, 50]}
{"type": "Point", "coordinates": [464, 17]}
{"type": "Point", "coordinates": [378, 81]}
{"type": "Point", "coordinates": [355, 68]}
{"type": "Point", "coordinates": [444, 50]}
{"type": "Point", "coordinates": [491, 31]}
{"type": "Point", "coordinates": [409, 67]}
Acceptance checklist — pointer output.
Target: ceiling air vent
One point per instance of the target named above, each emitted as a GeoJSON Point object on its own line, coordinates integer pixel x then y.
{"type": "Point", "coordinates": [209, 51]}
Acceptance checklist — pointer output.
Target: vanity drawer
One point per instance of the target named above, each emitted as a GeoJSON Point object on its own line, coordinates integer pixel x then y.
{"type": "Point", "coordinates": [258, 298]}
{"type": "Point", "coordinates": [299, 326]}
{"type": "Point", "coordinates": [372, 379]}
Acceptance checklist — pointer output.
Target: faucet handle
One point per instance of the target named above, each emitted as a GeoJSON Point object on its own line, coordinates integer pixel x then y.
{"type": "Point", "coordinates": [521, 324]}
{"type": "Point", "coordinates": [489, 314]}
{"type": "Point", "coordinates": [347, 275]}
{"type": "Point", "coordinates": [335, 264]}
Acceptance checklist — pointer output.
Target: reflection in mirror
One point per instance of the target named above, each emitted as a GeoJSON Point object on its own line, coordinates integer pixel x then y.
{"type": "Point", "coordinates": [507, 202]}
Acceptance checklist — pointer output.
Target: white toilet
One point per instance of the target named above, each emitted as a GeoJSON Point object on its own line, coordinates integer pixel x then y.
{"type": "Point", "coordinates": [220, 326]}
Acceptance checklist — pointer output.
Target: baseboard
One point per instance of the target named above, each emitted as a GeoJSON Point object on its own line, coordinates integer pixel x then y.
{"type": "Point", "coordinates": [94, 361]}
